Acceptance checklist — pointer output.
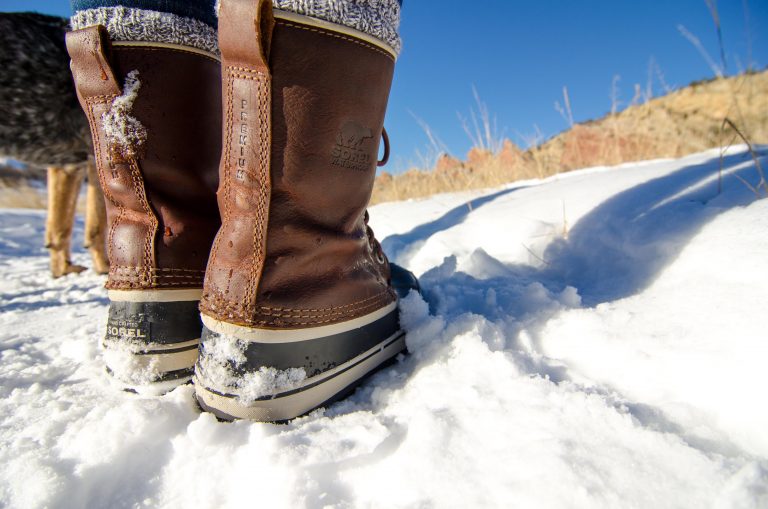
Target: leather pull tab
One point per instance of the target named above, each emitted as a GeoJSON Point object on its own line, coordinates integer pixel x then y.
{"type": "Point", "coordinates": [245, 32]}
{"type": "Point", "coordinates": [91, 70]}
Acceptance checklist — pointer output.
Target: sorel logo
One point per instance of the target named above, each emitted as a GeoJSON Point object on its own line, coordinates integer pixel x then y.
{"type": "Point", "coordinates": [127, 329]}
{"type": "Point", "coordinates": [350, 149]}
{"type": "Point", "coordinates": [125, 332]}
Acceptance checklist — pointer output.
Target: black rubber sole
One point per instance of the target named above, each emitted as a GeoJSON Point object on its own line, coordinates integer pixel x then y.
{"type": "Point", "coordinates": [154, 322]}
{"type": "Point", "coordinates": [316, 355]}
{"type": "Point", "coordinates": [266, 408]}
{"type": "Point", "coordinates": [152, 345]}
{"type": "Point", "coordinates": [340, 396]}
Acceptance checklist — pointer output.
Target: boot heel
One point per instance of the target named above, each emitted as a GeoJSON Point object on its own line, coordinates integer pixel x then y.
{"type": "Point", "coordinates": [277, 375]}
{"type": "Point", "coordinates": [152, 338]}
{"type": "Point", "coordinates": [159, 184]}
{"type": "Point", "coordinates": [298, 303]}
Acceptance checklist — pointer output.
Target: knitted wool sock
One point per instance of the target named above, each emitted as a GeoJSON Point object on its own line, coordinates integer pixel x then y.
{"type": "Point", "coordinates": [184, 22]}
{"type": "Point", "coordinates": [193, 22]}
{"type": "Point", "coordinates": [377, 18]}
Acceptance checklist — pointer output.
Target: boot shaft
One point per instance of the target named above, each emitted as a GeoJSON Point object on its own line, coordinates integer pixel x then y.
{"type": "Point", "coordinates": [304, 105]}
{"type": "Point", "coordinates": [155, 121]}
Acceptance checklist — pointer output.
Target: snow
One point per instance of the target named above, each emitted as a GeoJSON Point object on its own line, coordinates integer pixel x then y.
{"type": "Point", "coordinates": [222, 360]}
{"type": "Point", "coordinates": [595, 339]}
{"type": "Point", "coordinates": [132, 370]}
{"type": "Point", "coordinates": [124, 132]}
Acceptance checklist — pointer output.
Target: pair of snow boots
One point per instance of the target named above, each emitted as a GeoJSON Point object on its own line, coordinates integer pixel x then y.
{"type": "Point", "coordinates": [236, 191]}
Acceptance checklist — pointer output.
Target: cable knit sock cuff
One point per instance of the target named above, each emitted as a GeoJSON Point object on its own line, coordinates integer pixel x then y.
{"type": "Point", "coordinates": [201, 10]}
{"type": "Point", "coordinates": [377, 18]}
{"type": "Point", "coordinates": [130, 24]}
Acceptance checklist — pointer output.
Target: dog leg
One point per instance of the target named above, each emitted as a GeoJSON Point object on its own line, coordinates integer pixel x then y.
{"type": "Point", "coordinates": [95, 221]}
{"type": "Point", "coordinates": [63, 186]}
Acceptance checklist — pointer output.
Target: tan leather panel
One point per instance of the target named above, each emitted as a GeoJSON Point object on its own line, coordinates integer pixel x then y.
{"type": "Point", "coordinates": [238, 254]}
{"type": "Point", "coordinates": [237, 257]}
{"type": "Point", "coordinates": [246, 40]}
{"type": "Point", "coordinates": [181, 111]}
{"type": "Point", "coordinates": [88, 48]}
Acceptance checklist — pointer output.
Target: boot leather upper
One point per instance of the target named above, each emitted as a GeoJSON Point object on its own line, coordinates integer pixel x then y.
{"type": "Point", "coordinates": [161, 207]}
{"type": "Point", "coordinates": [303, 113]}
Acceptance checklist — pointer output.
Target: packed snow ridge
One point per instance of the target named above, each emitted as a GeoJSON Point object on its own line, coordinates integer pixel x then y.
{"type": "Point", "coordinates": [596, 339]}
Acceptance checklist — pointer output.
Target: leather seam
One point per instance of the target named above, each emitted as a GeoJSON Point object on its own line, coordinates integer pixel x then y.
{"type": "Point", "coordinates": [224, 173]}
{"type": "Point", "coordinates": [276, 321]}
{"type": "Point", "coordinates": [129, 267]}
{"type": "Point", "coordinates": [345, 306]}
{"type": "Point", "coordinates": [144, 48]}
{"type": "Point", "coordinates": [259, 76]}
{"type": "Point", "coordinates": [252, 271]}
{"type": "Point", "coordinates": [116, 285]}
{"type": "Point", "coordinates": [311, 312]}
{"type": "Point", "coordinates": [155, 276]}
{"type": "Point", "coordinates": [138, 187]}
{"type": "Point", "coordinates": [244, 69]}
{"type": "Point", "coordinates": [260, 232]}
{"type": "Point", "coordinates": [309, 319]}
{"type": "Point", "coordinates": [331, 34]}
{"type": "Point", "coordinates": [91, 102]}
{"type": "Point", "coordinates": [262, 174]}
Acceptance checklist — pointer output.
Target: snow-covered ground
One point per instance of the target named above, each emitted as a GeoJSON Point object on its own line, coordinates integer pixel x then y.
{"type": "Point", "coordinates": [597, 339]}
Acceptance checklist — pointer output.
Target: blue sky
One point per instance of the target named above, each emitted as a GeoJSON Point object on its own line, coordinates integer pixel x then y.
{"type": "Point", "coordinates": [519, 56]}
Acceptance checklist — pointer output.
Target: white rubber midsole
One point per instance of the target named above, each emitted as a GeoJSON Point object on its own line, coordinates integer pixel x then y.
{"type": "Point", "coordinates": [313, 391]}
{"type": "Point", "coordinates": [156, 295]}
{"type": "Point", "coordinates": [160, 361]}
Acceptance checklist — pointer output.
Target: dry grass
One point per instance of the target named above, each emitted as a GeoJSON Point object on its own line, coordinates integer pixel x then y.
{"type": "Point", "coordinates": [682, 122]}
{"type": "Point", "coordinates": [21, 195]}
{"type": "Point", "coordinates": [29, 194]}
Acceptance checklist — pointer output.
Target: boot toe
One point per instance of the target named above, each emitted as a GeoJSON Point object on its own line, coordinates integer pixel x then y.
{"type": "Point", "coordinates": [403, 280]}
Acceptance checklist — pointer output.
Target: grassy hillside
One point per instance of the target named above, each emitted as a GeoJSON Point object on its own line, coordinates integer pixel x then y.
{"type": "Point", "coordinates": [685, 121]}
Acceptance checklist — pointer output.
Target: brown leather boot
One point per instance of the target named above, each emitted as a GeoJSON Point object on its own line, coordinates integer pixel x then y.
{"type": "Point", "coordinates": [155, 117]}
{"type": "Point", "coordinates": [297, 305]}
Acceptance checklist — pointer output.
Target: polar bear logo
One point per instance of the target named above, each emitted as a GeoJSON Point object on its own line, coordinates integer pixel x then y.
{"type": "Point", "coordinates": [352, 135]}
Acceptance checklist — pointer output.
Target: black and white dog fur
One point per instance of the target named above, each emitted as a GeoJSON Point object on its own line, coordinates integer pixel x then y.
{"type": "Point", "coordinates": [42, 124]}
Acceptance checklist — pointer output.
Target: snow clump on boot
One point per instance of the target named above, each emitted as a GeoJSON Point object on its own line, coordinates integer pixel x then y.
{"type": "Point", "coordinates": [125, 134]}
{"type": "Point", "coordinates": [221, 357]}
{"type": "Point", "coordinates": [127, 367]}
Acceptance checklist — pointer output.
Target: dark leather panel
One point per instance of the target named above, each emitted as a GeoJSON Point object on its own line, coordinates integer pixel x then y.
{"type": "Point", "coordinates": [161, 204]}
{"type": "Point", "coordinates": [178, 103]}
